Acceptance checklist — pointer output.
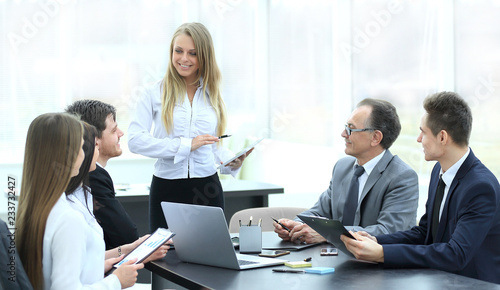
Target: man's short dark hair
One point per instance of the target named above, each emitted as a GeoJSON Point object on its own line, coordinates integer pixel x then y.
{"type": "Point", "coordinates": [448, 111]}
{"type": "Point", "coordinates": [93, 112]}
{"type": "Point", "coordinates": [383, 118]}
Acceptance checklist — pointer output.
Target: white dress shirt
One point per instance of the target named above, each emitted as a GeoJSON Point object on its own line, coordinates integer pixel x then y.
{"type": "Point", "coordinates": [448, 177]}
{"type": "Point", "coordinates": [73, 250]}
{"type": "Point", "coordinates": [368, 166]}
{"type": "Point", "coordinates": [173, 150]}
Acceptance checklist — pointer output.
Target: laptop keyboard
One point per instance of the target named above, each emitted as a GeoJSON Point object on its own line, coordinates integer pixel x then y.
{"type": "Point", "coordinates": [246, 262]}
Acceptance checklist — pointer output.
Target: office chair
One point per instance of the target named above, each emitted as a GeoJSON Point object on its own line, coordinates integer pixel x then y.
{"type": "Point", "coordinates": [264, 213]}
{"type": "Point", "coordinates": [12, 274]}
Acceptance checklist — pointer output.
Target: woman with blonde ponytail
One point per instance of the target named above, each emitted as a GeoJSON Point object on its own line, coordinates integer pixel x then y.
{"type": "Point", "coordinates": [188, 114]}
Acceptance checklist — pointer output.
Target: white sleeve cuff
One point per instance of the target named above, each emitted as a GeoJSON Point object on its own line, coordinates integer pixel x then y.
{"type": "Point", "coordinates": [112, 282]}
{"type": "Point", "coordinates": [184, 150]}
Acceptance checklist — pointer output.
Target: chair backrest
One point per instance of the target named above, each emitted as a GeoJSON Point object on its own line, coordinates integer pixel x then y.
{"type": "Point", "coordinates": [12, 274]}
{"type": "Point", "coordinates": [264, 213]}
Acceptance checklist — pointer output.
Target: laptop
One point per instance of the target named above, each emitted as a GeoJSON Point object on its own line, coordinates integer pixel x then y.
{"type": "Point", "coordinates": [330, 229]}
{"type": "Point", "coordinates": [202, 237]}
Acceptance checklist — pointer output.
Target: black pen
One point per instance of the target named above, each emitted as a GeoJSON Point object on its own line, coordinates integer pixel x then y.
{"type": "Point", "coordinates": [288, 271]}
{"type": "Point", "coordinates": [282, 225]}
{"type": "Point", "coordinates": [224, 136]}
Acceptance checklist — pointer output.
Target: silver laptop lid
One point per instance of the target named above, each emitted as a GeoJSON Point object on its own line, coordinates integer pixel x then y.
{"type": "Point", "coordinates": [202, 235]}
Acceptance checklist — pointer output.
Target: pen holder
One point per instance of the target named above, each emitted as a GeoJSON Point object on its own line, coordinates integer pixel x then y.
{"type": "Point", "coordinates": [250, 239]}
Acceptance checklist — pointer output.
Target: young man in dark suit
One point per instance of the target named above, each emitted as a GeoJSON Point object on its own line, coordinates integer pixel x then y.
{"type": "Point", "coordinates": [460, 231]}
{"type": "Point", "coordinates": [117, 226]}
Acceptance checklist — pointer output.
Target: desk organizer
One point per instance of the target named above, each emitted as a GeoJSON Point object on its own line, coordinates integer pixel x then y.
{"type": "Point", "coordinates": [250, 239]}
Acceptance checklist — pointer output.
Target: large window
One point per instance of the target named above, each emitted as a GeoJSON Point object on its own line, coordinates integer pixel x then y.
{"type": "Point", "coordinates": [477, 73]}
{"type": "Point", "coordinates": [395, 56]}
{"type": "Point", "coordinates": [292, 70]}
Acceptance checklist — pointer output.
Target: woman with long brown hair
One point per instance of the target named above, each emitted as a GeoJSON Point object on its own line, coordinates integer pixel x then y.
{"type": "Point", "coordinates": [55, 243]}
{"type": "Point", "coordinates": [79, 194]}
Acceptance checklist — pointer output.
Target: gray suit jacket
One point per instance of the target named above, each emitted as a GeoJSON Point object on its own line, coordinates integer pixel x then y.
{"type": "Point", "coordinates": [388, 202]}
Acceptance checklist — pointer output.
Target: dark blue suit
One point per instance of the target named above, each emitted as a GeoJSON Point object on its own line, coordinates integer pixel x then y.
{"type": "Point", "coordinates": [468, 236]}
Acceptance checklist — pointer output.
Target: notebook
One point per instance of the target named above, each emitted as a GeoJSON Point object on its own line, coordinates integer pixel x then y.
{"type": "Point", "coordinates": [202, 237]}
{"type": "Point", "coordinates": [330, 229]}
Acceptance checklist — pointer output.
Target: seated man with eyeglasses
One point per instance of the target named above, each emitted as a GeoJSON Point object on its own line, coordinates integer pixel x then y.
{"type": "Point", "coordinates": [370, 190]}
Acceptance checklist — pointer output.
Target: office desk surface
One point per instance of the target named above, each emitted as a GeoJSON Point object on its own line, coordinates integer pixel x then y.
{"type": "Point", "coordinates": [231, 187]}
{"type": "Point", "coordinates": [348, 274]}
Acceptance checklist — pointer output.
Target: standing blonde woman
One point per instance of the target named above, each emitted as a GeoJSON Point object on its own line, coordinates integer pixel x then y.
{"type": "Point", "coordinates": [55, 243]}
{"type": "Point", "coordinates": [188, 114]}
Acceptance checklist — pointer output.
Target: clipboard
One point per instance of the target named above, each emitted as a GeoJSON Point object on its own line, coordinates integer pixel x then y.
{"type": "Point", "coordinates": [330, 229]}
{"type": "Point", "coordinates": [245, 150]}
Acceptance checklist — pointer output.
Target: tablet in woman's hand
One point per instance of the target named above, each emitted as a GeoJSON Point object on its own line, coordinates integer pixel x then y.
{"type": "Point", "coordinates": [245, 150]}
{"type": "Point", "coordinates": [148, 246]}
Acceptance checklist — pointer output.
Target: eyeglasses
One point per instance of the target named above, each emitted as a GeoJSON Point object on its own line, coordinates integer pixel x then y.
{"type": "Point", "coordinates": [349, 130]}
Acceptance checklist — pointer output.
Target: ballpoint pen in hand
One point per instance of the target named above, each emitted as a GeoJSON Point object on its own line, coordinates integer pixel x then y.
{"type": "Point", "coordinates": [282, 225]}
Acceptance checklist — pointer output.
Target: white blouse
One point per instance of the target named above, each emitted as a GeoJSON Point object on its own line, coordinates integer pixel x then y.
{"type": "Point", "coordinates": [173, 150]}
{"type": "Point", "coordinates": [86, 208]}
{"type": "Point", "coordinates": [73, 250]}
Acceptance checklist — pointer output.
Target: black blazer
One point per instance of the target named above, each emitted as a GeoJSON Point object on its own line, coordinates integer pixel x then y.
{"type": "Point", "coordinates": [12, 274]}
{"type": "Point", "coordinates": [115, 222]}
{"type": "Point", "coordinates": [468, 236]}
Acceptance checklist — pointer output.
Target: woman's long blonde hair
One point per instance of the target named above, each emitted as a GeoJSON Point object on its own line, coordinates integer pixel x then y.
{"type": "Point", "coordinates": [174, 86]}
{"type": "Point", "coordinates": [52, 146]}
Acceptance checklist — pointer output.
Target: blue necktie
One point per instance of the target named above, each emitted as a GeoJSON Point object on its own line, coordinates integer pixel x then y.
{"type": "Point", "coordinates": [437, 206]}
{"type": "Point", "coordinates": [352, 198]}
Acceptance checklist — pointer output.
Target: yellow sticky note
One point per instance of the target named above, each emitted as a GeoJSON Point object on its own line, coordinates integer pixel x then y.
{"type": "Point", "coordinates": [298, 264]}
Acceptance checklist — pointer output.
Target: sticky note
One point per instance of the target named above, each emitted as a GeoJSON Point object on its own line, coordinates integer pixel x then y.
{"type": "Point", "coordinates": [298, 264]}
{"type": "Point", "coordinates": [320, 270]}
